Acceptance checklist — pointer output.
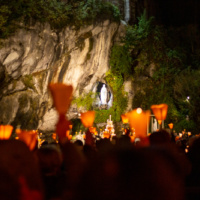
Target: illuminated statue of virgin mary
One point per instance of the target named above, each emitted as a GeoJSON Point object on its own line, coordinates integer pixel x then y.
{"type": "Point", "coordinates": [104, 94]}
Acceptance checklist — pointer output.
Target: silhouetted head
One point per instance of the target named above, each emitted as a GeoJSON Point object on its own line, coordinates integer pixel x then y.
{"type": "Point", "coordinates": [159, 137]}
{"type": "Point", "coordinates": [130, 174]}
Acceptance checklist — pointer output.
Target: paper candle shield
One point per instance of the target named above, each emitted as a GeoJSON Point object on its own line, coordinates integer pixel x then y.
{"type": "Point", "coordinates": [87, 118]}
{"type": "Point", "coordinates": [139, 121]}
{"type": "Point", "coordinates": [160, 111]}
{"type": "Point", "coordinates": [54, 136]}
{"type": "Point", "coordinates": [61, 94]}
{"type": "Point", "coordinates": [28, 137]}
{"type": "Point", "coordinates": [68, 136]}
{"type": "Point", "coordinates": [171, 125]}
{"type": "Point", "coordinates": [124, 118]}
{"type": "Point", "coordinates": [92, 129]}
{"type": "Point", "coordinates": [106, 134]}
{"type": "Point", "coordinates": [132, 137]}
{"type": "Point", "coordinates": [5, 132]}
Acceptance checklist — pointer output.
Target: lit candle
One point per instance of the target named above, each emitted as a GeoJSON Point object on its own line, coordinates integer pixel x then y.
{"type": "Point", "coordinates": [139, 120]}
{"type": "Point", "coordinates": [160, 112]}
{"type": "Point", "coordinates": [5, 131]}
{"type": "Point", "coordinates": [87, 118]}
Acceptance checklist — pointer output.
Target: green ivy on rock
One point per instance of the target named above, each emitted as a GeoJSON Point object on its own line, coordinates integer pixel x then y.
{"type": "Point", "coordinates": [164, 65]}
{"type": "Point", "coordinates": [85, 100]}
{"type": "Point", "coordinates": [58, 13]}
{"type": "Point", "coordinates": [120, 99]}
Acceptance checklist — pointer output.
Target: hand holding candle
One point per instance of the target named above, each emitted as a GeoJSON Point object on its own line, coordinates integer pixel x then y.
{"type": "Point", "coordinates": [61, 94]}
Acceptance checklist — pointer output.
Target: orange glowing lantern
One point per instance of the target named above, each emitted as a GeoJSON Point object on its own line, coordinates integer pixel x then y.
{"type": "Point", "coordinates": [54, 136]}
{"type": "Point", "coordinates": [139, 120]}
{"type": "Point", "coordinates": [5, 132]}
{"type": "Point", "coordinates": [171, 125]}
{"type": "Point", "coordinates": [132, 137]}
{"type": "Point", "coordinates": [124, 118]}
{"type": "Point", "coordinates": [177, 138]}
{"type": "Point", "coordinates": [87, 118]}
{"type": "Point", "coordinates": [28, 137]}
{"type": "Point", "coordinates": [160, 112]}
{"type": "Point", "coordinates": [106, 134]}
{"type": "Point", "coordinates": [68, 136]}
{"type": "Point", "coordinates": [61, 94]}
{"type": "Point", "coordinates": [92, 129]}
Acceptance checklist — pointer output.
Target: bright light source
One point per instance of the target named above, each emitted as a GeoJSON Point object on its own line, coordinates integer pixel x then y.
{"type": "Point", "coordinates": [188, 98]}
{"type": "Point", "coordinates": [139, 110]}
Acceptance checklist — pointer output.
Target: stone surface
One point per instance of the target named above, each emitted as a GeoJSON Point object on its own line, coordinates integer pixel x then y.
{"type": "Point", "coordinates": [49, 121]}
{"type": "Point", "coordinates": [32, 58]}
{"type": "Point", "coordinates": [129, 89]}
{"type": "Point", "coordinates": [11, 58]}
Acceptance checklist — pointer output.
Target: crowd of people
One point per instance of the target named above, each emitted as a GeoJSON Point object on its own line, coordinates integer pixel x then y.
{"type": "Point", "coordinates": [156, 167]}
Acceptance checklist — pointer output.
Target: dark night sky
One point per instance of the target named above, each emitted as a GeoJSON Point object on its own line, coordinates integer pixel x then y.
{"type": "Point", "coordinates": [176, 12]}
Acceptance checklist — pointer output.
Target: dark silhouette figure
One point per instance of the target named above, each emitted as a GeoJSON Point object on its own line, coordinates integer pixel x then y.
{"type": "Point", "coordinates": [19, 171]}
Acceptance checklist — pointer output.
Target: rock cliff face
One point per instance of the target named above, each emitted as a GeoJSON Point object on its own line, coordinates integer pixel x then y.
{"type": "Point", "coordinates": [37, 55]}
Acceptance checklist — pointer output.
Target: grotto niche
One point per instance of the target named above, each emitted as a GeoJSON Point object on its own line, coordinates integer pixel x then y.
{"type": "Point", "coordinates": [104, 96]}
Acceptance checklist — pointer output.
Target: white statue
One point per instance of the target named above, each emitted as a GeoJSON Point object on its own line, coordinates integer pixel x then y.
{"type": "Point", "coordinates": [155, 125]}
{"type": "Point", "coordinates": [104, 95]}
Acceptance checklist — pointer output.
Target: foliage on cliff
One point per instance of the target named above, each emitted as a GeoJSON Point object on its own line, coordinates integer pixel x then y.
{"type": "Point", "coordinates": [85, 101]}
{"type": "Point", "coordinates": [120, 99]}
{"type": "Point", "coordinates": [173, 56]}
{"type": "Point", "coordinates": [55, 12]}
